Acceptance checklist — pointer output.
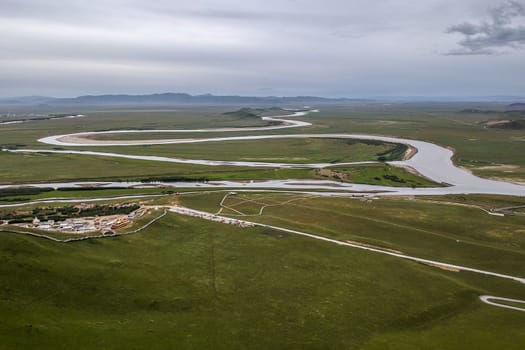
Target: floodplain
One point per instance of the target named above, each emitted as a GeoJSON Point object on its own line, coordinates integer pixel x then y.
{"type": "Point", "coordinates": [190, 283]}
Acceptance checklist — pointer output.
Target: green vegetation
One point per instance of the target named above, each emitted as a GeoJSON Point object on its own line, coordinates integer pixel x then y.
{"type": "Point", "coordinates": [488, 152]}
{"type": "Point", "coordinates": [66, 212]}
{"type": "Point", "coordinates": [484, 201]}
{"type": "Point", "coordinates": [510, 124]}
{"type": "Point", "coordinates": [23, 191]}
{"type": "Point", "coordinates": [258, 112]}
{"type": "Point", "coordinates": [375, 174]}
{"type": "Point", "coordinates": [143, 119]}
{"type": "Point", "coordinates": [50, 192]}
{"type": "Point", "coordinates": [16, 230]}
{"type": "Point", "coordinates": [63, 167]}
{"type": "Point", "coordinates": [243, 113]}
{"type": "Point", "coordinates": [454, 234]}
{"type": "Point", "coordinates": [299, 150]}
{"type": "Point", "coordinates": [396, 153]}
{"type": "Point", "coordinates": [187, 283]}
{"type": "Point", "coordinates": [85, 192]}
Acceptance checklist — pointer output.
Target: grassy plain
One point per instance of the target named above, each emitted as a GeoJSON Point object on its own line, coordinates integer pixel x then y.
{"type": "Point", "coordinates": [454, 234]}
{"type": "Point", "coordinates": [38, 167]}
{"type": "Point", "coordinates": [86, 193]}
{"type": "Point", "coordinates": [377, 174]}
{"type": "Point", "coordinates": [482, 201]}
{"type": "Point", "coordinates": [271, 150]}
{"type": "Point", "coordinates": [486, 151]}
{"type": "Point", "coordinates": [186, 283]}
{"type": "Point", "coordinates": [62, 167]}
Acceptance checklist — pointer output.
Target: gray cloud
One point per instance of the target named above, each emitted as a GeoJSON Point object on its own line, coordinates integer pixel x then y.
{"type": "Point", "coordinates": [251, 47]}
{"type": "Point", "coordinates": [499, 32]}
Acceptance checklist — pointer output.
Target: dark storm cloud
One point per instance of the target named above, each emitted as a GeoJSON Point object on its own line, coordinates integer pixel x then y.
{"type": "Point", "coordinates": [499, 32]}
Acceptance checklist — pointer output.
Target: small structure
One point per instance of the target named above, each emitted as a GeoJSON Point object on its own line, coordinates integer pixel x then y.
{"type": "Point", "coordinates": [36, 222]}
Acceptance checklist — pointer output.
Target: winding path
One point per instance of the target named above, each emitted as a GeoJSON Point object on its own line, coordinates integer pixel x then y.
{"type": "Point", "coordinates": [492, 300]}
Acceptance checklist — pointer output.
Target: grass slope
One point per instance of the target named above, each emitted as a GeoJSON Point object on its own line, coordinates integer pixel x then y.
{"type": "Point", "coordinates": [454, 234]}
{"type": "Point", "coordinates": [190, 284]}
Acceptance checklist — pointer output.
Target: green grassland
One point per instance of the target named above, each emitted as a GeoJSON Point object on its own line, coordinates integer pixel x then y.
{"type": "Point", "coordinates": [271, 150]}
{"type": "Point", "coordinates": [454, 234]}
{"type": "Point", "coordinates": [488, 152]}
{"type": "Point", "coordinates": [82, 193]}
{"type": "Point", "coordinates": [483, 201]}
{"type": "Point", "coordinates": [483, 150]}
{"type": "Point", "coordinates": [26, 168]}
{"type": "Point", "coordinates": [20, 168]}
{"type": "Point", "coordinates": [190, 284]}
{"type": "Point", "coordinates": [187, 283]}
{"type": "Point", "coordinates": [376, 174]}
{"type": "Point", "coordinates": [17, 230]}
{"type": "Point", "coordinates": [183, 118]}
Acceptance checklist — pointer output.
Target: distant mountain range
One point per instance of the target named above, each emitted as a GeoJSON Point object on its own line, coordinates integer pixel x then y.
{"type": "Point", "coordinates": [170, 99]}
{"type": "Point", "coordinates": [26, 100]}
{"type": "Point", "coordinates": [166, 99]}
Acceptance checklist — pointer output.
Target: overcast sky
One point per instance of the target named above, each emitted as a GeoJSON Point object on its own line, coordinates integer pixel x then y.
{"type": "Point", "coordinates": [351, 48]}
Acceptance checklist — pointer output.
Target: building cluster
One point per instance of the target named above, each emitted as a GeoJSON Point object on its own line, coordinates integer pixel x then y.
{"type": "Point", "coordinates": [87, 224]}
{"type": "Point", "coordinates": [211, 217]}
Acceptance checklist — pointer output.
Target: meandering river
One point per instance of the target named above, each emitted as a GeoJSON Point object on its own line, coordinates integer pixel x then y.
{"type": "Point", "coordinates": [431, 160]}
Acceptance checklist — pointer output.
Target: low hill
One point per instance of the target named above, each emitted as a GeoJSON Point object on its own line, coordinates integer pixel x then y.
{"type": "Point", "coordinates": [516, 107]}
{"type": "Point", "coordinates": [477, 111]}
{"type": "Point", "coordinates": [243, 113]}
{"type": "Point", "coordinates": [510, 125]}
